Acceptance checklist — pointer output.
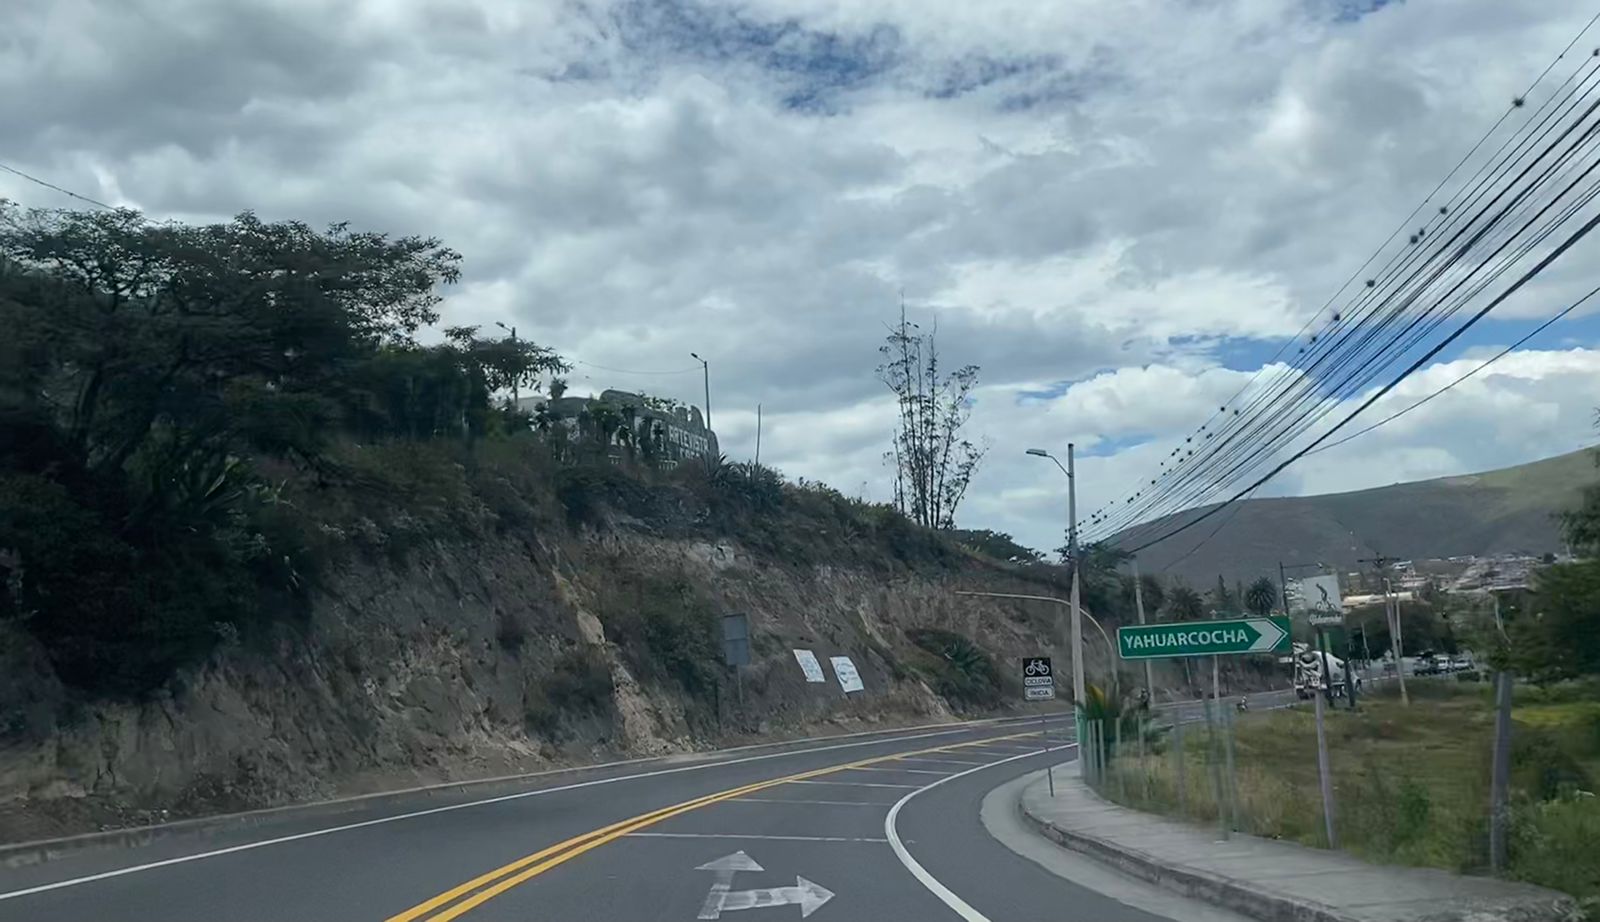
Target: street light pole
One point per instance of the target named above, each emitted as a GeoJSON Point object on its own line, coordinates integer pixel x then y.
{"type": "Point", "coordinates": [1078, 690]}
{"type": "Point", "coordinates": [706, 368]}
{"type": "Point", "coordinates": [516, 389]}
{"type": "Point", "coordinates": [1077, 571]}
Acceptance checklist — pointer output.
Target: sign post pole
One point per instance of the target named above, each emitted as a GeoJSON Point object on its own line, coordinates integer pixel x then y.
{"type": "Point", "coordinates": [1044, 747]}
{"type": "Point", "coordinates": [1182, 757]}
{"type": "Point", "coordinates": [1323, 773]}
{"type": "Point", "coordinates": [1039, 684]}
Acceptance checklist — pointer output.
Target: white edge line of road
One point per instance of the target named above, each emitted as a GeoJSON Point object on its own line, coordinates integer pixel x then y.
{"type": "Point", "coordinates": [945, 895]}
{"type": "Point", "coordinates": [378, 821]}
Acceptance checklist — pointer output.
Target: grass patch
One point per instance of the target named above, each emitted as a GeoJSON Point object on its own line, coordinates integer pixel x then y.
{"type": "Point", "coordinates": [1411, 785]}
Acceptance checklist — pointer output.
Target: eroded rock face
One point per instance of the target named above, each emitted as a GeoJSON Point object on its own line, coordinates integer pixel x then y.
{"type": "Point", "coordinates": [436, 670]}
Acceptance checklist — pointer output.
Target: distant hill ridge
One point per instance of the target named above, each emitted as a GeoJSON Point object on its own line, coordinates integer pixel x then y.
{"type": "Point", "coordinates": [1509, 510]}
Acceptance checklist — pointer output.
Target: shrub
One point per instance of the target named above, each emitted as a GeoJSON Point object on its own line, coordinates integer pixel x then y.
{"type": "Point", "coordinates": [664, 629]}
{"type": "Point", "coordinates": [580, 681]}
{"type": "Point", "coordinates": [577, 685]}
{"type": "Point", "coordinates": [959, 670]}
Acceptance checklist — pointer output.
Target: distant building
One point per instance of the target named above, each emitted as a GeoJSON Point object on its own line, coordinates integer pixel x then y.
{"type": "Point", "coordinates": [667, 435]}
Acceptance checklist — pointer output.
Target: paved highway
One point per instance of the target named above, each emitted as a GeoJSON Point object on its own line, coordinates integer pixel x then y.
{"type": "Point", "coordinates": [885, 827]}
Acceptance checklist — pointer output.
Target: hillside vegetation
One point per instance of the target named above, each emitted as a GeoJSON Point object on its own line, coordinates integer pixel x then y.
{"type": "Point", "coordinates": [258, 544]}
{"type": "Point", "coordinates": [1513, 510]}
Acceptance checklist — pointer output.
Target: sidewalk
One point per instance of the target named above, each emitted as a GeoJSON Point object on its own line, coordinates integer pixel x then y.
{"type": "Point", "coordinates": [1271, 880]}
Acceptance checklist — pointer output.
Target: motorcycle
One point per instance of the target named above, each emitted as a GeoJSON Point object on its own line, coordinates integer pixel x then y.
{"type": "Point", "coordinates": [1244, 703]}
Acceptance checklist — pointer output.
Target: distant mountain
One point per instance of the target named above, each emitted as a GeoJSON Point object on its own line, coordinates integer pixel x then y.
{"type": "Point", "coordinates": [1505, 511]}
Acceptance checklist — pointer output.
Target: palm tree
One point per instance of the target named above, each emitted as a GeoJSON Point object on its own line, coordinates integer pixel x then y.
{"type": "Point", "coordinates": [1261, 596]}
{"type": "Point", "coordinates": [1154, 592]}
{"type": "Point", "coordinates": [1184, 604]}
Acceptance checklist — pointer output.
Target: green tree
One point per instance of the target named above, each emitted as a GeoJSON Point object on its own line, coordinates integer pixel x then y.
{"type": "Point", "coordinates": [1185, 604]}
{"type": "Point", "coordinates": [998, 545]}
{"type": "Point", "coordinates": [149, 369]}
{"type": "Point", "coordinates": [1154, 593]}
{"type": "Point", "coordinates": [933, 463]}
{"type": "Point", "coordinates": [1261, 596]}
{"type": "Point", "coordinates": [1560, 637]}
{"type": "Point", "coordinates": [1582, 525]}
{"type": "Point", "coordinates": [1221, 599]}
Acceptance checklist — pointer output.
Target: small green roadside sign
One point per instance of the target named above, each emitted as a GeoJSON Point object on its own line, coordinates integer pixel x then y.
{"type": "Point", "coordinates": [1204, 638]}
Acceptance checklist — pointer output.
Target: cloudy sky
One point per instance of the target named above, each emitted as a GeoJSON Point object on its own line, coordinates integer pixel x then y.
{"type": "Point", "coordinates": [1119, 209]}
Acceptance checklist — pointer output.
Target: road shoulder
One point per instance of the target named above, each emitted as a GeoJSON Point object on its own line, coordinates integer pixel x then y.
{"type": "Point", "coordinates": [1270, 880]}
{"type": "Point", "coordinates": [1005, 824]}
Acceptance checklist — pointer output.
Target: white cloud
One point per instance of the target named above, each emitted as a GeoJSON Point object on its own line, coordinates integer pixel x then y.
{"type": "Point", "coordinates": [1139, 197]}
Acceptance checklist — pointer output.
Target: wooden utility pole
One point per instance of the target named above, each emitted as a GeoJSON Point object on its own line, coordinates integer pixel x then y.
{"type": "Point", "coordinates": [1391, 611]}
{"type": "Point", "coordinates": [1500, 765]}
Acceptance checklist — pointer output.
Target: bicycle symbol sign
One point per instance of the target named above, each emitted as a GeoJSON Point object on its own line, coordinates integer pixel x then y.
{"type": "Point", "coordinates": [1038, 681]}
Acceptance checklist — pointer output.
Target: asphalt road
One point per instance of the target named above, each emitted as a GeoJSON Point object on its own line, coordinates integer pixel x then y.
{"type": "Point", "coordinates": [886, 828]}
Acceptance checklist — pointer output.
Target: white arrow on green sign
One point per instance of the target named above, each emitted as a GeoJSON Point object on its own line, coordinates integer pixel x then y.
{"type": "Point", "coordinates": [1204, 638]}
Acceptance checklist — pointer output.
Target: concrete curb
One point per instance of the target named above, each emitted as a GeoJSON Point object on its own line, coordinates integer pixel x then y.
{"type": "Point", "coordinates": [1254, 901]}
{"type": "Point", "coordinates": [22, 854]}
{"type": "Point", "coordinates": [1228, 894]}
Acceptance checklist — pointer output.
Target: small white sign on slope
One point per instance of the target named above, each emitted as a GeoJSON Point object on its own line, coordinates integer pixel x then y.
{"type": "Point", "coordinates": [849, 678]}
{"type": "Point", "coordinates": [810, 666]}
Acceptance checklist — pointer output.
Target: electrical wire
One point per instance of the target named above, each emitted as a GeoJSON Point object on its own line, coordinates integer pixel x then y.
{"type": "Point", "coordinates": [50, 185]}
{"type": "Point", "coordinates": [1583, 231]}
{"type": "Point", "coordinates": [1401, 227]}
{"type": "Point", "coordinates": [1480, 367]}
{"type": "Point", "coordinates": [1304, 377]}
{"type": "Point", "coordinates": [625, 371]}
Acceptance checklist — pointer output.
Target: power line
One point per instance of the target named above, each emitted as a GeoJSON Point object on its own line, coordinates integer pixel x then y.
{"type": "Point", "coordinates": [1304, 381]}
{"type": "Point", "coordinates": [50, 185]}
{"type": "Point", "coordinates": [1478, 238]}
{"type": "Point", "coordinates": [1578, 235]}
{"type": "Point", "coordinates": [1404, 224]}
{"type": "Point", "coordinates": [1490, 361]}
{"type": "Point", "coordinates": [626, 371]}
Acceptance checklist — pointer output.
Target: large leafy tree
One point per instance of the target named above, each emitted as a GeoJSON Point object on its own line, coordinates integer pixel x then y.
{"type": "Point", "coordinates": [148, 370]}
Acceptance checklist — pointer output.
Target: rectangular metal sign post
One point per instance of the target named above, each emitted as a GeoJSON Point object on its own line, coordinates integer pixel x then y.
{"type": "Point", "coordinates": [1204, 638]}
{"type": "Point", "coordinates": [736, 647]}
{"type": "Point", "coordinates": [1039, 684]}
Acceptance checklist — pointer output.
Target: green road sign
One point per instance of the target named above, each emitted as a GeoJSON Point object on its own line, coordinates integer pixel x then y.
{"type": "Point", "coordinates": [1204, 638]}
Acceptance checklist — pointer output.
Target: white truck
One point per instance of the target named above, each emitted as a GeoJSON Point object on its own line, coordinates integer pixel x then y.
{"type": "Point", "coordinates": [1308, 678]}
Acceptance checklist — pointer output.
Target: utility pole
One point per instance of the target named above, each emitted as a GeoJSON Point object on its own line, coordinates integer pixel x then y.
{"type": "Point", "coordinates": [1392, 604]}
{"type": "Point", "coordinates": [1391, 610]}
{"type": "Point", "coordinates": [1138, 604]}
{"type": "Point", "coordinates": [758, 434]}
{"type": "Point", "coordinates": [1072, 550]}
{"type": "Point", "coordinates": [1500, 766]}
{"type": "Point", "coordinates": [1149, 680]}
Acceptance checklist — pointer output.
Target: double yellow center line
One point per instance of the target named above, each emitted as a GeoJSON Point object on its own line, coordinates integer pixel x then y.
{"type": "Point", "coordinates": [479, 890]}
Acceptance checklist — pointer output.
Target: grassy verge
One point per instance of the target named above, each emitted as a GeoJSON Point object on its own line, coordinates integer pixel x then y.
{"type": "Point", "coordinates": [1411, 784]}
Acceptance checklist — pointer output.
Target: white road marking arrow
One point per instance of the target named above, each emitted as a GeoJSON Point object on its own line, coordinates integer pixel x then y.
{"type": "Point", "coordinates": [724, 867]}
{"type": "Point", "coordinates": [1270, 635]}
{"type": "Point", "coordinates": [809, 895]}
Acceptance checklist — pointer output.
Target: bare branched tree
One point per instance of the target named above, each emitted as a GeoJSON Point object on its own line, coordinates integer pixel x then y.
{"type": "Point", "coordinates": [933, 464]}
